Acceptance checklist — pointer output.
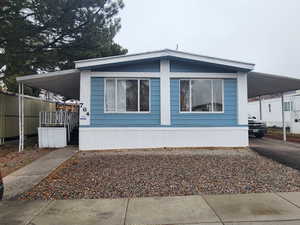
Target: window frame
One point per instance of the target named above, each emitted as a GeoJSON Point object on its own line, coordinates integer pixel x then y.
{"type": "Point", "coordinates": [190, 97]}
{"type": "Point", "coordinates": [116, 97]}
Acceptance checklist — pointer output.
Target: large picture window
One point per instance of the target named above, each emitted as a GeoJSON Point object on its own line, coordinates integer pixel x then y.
{"type": "Point", "coordinates": [201, 95]}
{"type": "Point", "coordinates": [127, 95]}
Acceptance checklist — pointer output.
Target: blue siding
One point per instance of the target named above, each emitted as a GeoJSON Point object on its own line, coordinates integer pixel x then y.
{"type": "Point", "coordinates": [101, 119]}
{"type": "Point", "coordinates": [147, 66]}
{"type": "Point", "coordinates": [228, 118]}
{"type": "Point", "coordinates": [184, 66]}
{"type": "Point", "coordinates": [152, 119]}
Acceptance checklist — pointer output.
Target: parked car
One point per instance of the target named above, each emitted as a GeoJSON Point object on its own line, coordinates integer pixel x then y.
{"type": "Point", "coordinates": [256, 128]}
{"type": "Point", "coordinates": [1, 187]}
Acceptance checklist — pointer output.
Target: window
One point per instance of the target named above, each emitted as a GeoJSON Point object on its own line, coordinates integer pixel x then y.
{"type": "Point", "coordinates": [270, 108]}
{"type": "Point", "coordinates": [127, 95]}
{"type": "Point", "coordinates": [201, 95]}
{"type": "Point", "coordinates": [288, 106]}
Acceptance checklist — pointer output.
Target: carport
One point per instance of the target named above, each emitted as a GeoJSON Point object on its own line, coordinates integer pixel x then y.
{"type": "Point", "coordinates": [260, 84]}
{"type": "Point", "coordinates": [67, 84]}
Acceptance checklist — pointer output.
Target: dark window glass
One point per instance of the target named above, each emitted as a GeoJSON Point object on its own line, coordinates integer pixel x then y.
{"type": "Point", "coordinates": [132, 95]}
{"type": "Point", "coordinates": [201, 96]}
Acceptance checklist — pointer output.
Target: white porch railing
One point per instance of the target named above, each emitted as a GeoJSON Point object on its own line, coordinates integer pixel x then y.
{"type": "Point", "coordinates": [69, 120]}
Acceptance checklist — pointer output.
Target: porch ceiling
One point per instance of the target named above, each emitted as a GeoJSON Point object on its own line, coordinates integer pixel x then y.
{"type": "Point", "coordinates": [65, 83]}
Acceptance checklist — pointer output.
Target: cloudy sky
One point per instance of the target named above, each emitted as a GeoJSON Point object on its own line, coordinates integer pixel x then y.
{"type": "Point", "coordinates": [264, 32]}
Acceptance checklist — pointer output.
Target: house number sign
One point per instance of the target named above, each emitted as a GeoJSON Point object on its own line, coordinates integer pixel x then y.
{"type": "Point", "coordinates": [83, 112]}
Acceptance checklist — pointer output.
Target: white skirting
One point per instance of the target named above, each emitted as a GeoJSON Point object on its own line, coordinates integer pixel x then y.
{"type": "Point", "coordinates": [118, 138]}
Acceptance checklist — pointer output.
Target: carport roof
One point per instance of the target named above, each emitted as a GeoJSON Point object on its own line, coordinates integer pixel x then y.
{"type": "Point", "coordinates": [67, 83]}
{"type": "Point", "coordinates": [260, 84]}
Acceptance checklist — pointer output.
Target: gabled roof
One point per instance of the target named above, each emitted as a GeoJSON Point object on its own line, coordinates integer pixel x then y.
{"type": "Point", "coordinates": [165, 53]}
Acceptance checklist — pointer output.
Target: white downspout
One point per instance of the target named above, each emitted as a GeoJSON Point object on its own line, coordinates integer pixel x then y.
{"type": "Point", "coordinates": [283, 118]}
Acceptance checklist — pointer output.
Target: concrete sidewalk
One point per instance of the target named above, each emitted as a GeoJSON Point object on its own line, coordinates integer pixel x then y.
{"type": "Point", "coordinates": [243, 209]}
{"type": "Point", "coordinates": [30, 175]}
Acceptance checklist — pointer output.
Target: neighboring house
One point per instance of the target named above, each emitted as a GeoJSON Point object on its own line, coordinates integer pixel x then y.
{"type": "Point", "coordinates": [272, 110]}
{"type": "Point", "coordinates": [162, 99]}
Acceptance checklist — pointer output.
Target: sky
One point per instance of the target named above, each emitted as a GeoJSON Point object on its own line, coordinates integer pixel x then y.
{"type": "Point", "coordinates": [264, 32]}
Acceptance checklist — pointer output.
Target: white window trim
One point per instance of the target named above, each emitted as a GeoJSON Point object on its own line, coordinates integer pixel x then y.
{"type": "Point", "coordinates": [126, 112]}
{"type": "Point", "coordinates": [190, 98]}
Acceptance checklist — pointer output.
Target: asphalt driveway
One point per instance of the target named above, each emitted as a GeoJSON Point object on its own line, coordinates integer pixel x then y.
{"type": "Point", "coordinates": [285, 153]}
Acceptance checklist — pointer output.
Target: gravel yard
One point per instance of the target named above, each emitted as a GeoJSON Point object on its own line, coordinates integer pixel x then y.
{"type": "Point", "coordinates": [164, 173]}
{"type": "Point", "coordinates": [12, 160]}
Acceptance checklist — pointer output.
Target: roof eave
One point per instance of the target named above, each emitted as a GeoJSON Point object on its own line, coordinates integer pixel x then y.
{"type": "Point", "coordinates": [161, 54]}
{"type": "Point", "coordinates": [50, 74]}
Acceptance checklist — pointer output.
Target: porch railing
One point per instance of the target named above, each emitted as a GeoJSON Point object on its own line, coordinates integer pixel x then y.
{"type": "Point", "coordinates": [69, 120]}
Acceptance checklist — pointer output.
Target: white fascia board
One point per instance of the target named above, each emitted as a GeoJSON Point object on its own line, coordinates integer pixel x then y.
{"type": "Point", "coordinates": [160, 54]}
{"type": "Point", "coordinates": [50, 74]}
{"type": "Point", "coordinates": [117, 59]}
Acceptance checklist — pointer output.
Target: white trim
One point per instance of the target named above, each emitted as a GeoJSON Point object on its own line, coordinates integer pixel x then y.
{"type": "Point", "coordinates": [158, 75]}
{"type": "Point", "coordinates": [125, 74]}
{"type": "Point", "coordinates": [85, 98]}
{"type": "Point", "coordinates": [184, 75]}
{"type": "Point", "coordinates": [144, 137]}
{"type": "Point", "coordinates": [242, 98]}
{"type": "Point", "coordinates": [116, 96]}
{"type": "Point", "coordinates": [201, 112]}
{"type": "Point", "coordinates": [165, 93]}
{"type": "Point", "coordinates": [160, 54]}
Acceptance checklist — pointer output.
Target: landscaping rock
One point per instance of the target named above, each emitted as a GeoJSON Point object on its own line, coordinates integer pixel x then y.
{"type": "Point", "coordinates": [93, 175]}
